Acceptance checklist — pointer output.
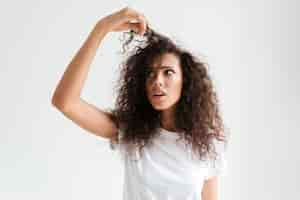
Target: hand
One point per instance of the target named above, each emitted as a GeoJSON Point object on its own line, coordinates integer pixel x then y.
{"type": "Point", "coordinates": [126, 19]}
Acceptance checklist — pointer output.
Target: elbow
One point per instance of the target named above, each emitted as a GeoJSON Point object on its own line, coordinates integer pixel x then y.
{"type": "Point", "coordinates": [57, 103]}
{"type": "Point", "coordinates": [62, 104]}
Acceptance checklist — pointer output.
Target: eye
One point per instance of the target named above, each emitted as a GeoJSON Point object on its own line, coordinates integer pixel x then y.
{"type": "Point", "coordinates": [150, 74]}
{"type": "Point", "coordinates": [169, 72]}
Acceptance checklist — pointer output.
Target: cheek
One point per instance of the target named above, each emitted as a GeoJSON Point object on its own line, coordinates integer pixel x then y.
{"type": "Point", "coordinates": [147, 89]}
{"type": "Point", "coordinates": [175, 86]}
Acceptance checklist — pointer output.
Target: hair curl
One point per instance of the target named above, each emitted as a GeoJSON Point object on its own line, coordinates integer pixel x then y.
{"type": "Point", "coordinates": [197, 115]}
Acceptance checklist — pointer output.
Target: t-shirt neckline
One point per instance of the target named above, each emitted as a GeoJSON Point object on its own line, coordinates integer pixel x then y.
{"type": "Point", "coordinates": [166, 133]}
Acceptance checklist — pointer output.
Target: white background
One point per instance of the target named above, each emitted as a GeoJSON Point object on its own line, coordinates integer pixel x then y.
{"type": "Point", "coordinates": [252, 47]}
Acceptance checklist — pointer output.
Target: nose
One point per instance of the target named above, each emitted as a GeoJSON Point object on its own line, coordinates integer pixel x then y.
{"type": "Point", "coordinates": [158, 80]}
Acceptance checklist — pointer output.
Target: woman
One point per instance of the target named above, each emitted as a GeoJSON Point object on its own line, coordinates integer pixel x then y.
{"type": "Point", "coordinates": [166, 121]}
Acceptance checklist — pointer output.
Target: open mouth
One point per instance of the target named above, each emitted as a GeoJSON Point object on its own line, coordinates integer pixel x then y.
{"type": "Point", "coordinates": [159, 96]}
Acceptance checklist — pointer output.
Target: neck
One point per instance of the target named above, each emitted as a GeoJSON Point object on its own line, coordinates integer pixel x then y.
{"type": "Point", "coordinates": [167, 120]}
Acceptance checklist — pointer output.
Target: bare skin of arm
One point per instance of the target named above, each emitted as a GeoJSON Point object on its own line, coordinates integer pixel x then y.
{"type": "Point", "coordinates": [210, 189]}
{"type": "Point", "coordinates": [67, 95]}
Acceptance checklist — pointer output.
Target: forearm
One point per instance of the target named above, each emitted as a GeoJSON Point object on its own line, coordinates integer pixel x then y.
{"type": "Point", "coordinates": [70, 86]}
{"type": "Point", "coordinates": [210, 189]}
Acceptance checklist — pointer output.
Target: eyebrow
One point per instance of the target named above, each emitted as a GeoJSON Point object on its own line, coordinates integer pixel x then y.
{"type": "Point", "coordinates": [161, 67]}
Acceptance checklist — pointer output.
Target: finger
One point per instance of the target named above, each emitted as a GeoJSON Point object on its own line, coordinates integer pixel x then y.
{"type": "Point", "coordinates": [139, 26]}
{"type": "Point", "coordinates": [131, 14]}
{"type": "Point", "coordinates": [143, 24]}
{"type": "Point", "coordinates": [136, 17]}
{"type": "Point", "coordinates": [132, 26]}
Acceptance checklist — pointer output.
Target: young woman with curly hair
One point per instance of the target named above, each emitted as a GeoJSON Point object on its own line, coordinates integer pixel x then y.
{"type": "Point", "coordinates": [166, 122]}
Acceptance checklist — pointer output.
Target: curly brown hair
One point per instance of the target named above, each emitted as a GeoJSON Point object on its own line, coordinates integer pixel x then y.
{"type": "Point", "coordinates": [197, 115]}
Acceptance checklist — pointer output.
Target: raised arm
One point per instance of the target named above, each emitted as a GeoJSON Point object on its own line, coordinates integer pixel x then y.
{"type": "Point", "coordinates": [67, 96]}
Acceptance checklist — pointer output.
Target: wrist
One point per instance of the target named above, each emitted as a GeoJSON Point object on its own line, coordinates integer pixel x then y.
{"type": "Point", "coordinates": [102, 26]}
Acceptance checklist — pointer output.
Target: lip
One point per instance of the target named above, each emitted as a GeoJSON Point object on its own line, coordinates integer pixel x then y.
{"type": "Point", "coordinates": [159, 92]}
{"type": "Point", "coordinates": [159, 98]}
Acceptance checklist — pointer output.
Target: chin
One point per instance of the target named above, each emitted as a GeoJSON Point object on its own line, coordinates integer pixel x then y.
{"type": "Point", "coordinates": [161, 107]}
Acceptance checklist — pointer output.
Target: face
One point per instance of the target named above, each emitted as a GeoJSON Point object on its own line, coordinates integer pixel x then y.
{"type": "Point", "coordinates": [164, 82]}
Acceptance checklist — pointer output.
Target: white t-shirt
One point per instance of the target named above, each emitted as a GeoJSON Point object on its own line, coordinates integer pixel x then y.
{"type": "Point", "coordinates": [167, 171]}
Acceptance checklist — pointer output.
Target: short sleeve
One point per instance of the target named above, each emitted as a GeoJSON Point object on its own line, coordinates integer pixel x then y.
{"type": "Point", "coordinates": [218, 167]}
{"type": "Point", "coordinates": [116, 143]}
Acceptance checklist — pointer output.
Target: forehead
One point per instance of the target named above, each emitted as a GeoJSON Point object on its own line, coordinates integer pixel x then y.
{"type": "Point", "coordinates": [167, 60]}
